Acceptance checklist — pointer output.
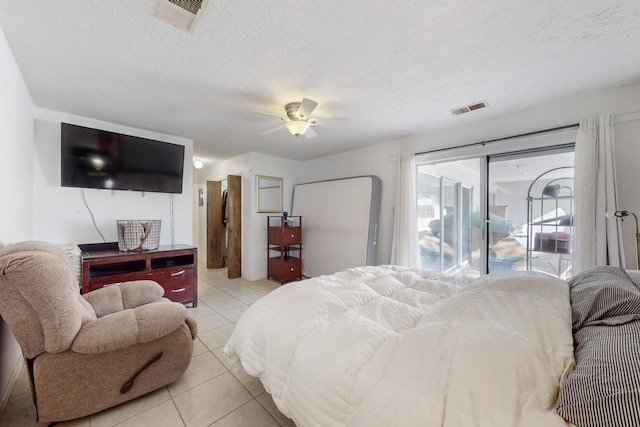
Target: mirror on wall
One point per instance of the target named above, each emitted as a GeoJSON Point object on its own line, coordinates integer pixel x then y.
{"type": "Point", "coordinates": [268, 194]}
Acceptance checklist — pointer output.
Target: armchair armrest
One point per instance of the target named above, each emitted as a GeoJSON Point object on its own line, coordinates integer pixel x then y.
{"type": "Point", "coordinates": [122, 296]}
{"type": "Point", "coordinates": [128, 327]}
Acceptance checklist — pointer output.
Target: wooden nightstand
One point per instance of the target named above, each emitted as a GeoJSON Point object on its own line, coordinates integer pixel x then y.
{"type": "Point", "coordinates": [284, 248]}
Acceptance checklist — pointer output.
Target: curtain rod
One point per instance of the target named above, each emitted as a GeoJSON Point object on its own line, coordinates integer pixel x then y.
{"type": "Point", "coordinates": [473, 144]}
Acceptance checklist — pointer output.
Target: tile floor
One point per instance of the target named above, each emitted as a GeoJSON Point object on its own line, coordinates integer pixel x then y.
{"type": "Point", "coordinates": [208, 394]}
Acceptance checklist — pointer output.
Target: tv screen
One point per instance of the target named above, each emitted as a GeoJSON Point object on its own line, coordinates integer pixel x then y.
{"type": "Point", "coordinates": [93, 158]}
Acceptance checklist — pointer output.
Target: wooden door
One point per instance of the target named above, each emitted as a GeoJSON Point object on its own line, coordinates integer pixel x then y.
{"type": "Point", "coordinates": [214, 225]}
{"type": "Point", "coordinates": [234, 226]}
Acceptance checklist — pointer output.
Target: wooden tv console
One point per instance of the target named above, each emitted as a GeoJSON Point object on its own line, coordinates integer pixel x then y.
{"type": "Point", "coordinates": [174, 267]}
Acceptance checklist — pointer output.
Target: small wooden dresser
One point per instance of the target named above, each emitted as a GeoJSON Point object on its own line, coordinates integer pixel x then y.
{"type": "Point", "coordinates": [284, 248]}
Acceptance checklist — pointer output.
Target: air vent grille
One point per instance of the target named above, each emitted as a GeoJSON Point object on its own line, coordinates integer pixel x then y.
{"type": "Point", "coordinates": [192, 6]}
{"type": "Point", "coordinates": [468, 108]}
{"type": "Point", "coordinates": [184, 14]}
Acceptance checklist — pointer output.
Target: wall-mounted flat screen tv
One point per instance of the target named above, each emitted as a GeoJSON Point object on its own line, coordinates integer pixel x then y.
{"type": "Point", "coordinates": [93, 158]}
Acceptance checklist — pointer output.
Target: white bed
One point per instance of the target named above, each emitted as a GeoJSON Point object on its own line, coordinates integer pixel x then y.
{"type": "Point", "coordinates": [391, 346]}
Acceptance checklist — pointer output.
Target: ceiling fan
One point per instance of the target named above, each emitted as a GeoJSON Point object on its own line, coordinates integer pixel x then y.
{"type": "Point", "coordinates": [298, 122]}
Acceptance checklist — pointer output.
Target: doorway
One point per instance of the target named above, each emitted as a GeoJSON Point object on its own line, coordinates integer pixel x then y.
{"type": "Point", "coordinates": [224, 225]}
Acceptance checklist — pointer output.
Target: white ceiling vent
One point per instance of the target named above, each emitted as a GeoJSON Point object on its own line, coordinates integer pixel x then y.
{"type": "Point", "coordinates": [183, 14]}
{"type": "Point", "coordinates": [468, 108]}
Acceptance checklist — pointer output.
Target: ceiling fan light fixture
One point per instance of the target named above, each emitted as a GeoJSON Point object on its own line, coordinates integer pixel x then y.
{"type": "Point", "coordinates": [297, 127]}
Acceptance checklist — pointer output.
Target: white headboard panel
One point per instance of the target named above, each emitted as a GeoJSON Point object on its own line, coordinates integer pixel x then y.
{"type": "Point", "coordinates": [339, 224]}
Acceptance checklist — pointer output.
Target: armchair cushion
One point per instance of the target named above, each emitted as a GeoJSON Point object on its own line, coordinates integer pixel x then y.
{"type": "Point", "coordinates": [43, 289]}
{"type": "Point", "coordinates": [87, 312]}
{"type": "Point", "coordinates": [128, 327]}
{"type": "Point", "coordinates": [122, 296]}
{"type": "Point", "coordinates": [37, 246]}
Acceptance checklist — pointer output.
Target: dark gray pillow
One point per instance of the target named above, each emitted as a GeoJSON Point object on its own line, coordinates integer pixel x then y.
{"type": "Point", "coordinates": [603, 295]}
{"type": "Point", "coordinates": [604, 387]}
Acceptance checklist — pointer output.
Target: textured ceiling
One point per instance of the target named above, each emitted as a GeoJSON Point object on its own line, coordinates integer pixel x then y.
{"type": "Point", "coordinates": [394, 68]}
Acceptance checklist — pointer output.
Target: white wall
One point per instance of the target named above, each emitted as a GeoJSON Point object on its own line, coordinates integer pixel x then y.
{"type": "Point", "coordinates": [16, 150]}
{"type": "Point", "coordinates": [60, 214]}
{"type": "Point", "coordinates": [254, 225]}
{"type": "Point", "coordinates": [16, 179]}
{"type": "Point", "coordinates": [381, 159]}
{"type": "Point", "coordinates": [289, 171]}
{"type": "Point", "coordinates": [627, 143]}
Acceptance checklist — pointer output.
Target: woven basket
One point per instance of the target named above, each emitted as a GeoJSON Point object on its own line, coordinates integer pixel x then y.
{"type": "Point", "coordinates": [138, 234]}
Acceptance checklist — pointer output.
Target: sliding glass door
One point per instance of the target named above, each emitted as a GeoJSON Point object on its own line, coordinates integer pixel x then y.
{"type": "Point", "coordinates": [449, 214]}
{"type": "Point", "coordinates": [498, 213]}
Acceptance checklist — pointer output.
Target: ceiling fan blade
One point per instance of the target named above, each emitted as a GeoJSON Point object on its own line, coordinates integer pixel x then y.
{"type": "Point", "coordinates": [268, 114]}
{"type": "Point", "coordinates": [306, 107]}
{"type": "Point", "coordinates": [310, 133]}
{"type": "Point", "coordinates": [330, 121]}
{"type": "Point", "coordinates": [271, 130]}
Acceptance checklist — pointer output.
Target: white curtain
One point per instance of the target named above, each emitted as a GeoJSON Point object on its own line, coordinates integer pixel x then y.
{"type": "Point", "coordinates": [597, 239]}
{"type": "Point", "coordinates": [405, 249]}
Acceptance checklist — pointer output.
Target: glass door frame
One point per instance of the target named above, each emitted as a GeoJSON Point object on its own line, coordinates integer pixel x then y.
{"type": "Point", "coordinates": [459, 255]}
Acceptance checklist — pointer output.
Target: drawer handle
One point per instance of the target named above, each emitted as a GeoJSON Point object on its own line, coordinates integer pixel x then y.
{"type": "Point", "coordinates": [178, 273]}
{"type": "Point", "coordinates": [292, 235]}
{"type": "Point", "coordinates": [175, 291]}
{"type": "Point", "coordinates": [291, 268]}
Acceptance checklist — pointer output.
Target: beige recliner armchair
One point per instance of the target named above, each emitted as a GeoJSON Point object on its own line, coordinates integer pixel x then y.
{"type": "Point", "coordinates": [86, 353]}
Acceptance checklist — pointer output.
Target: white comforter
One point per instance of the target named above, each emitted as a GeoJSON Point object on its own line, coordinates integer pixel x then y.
{"type": "Point", "coordinates": [390, 346]}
